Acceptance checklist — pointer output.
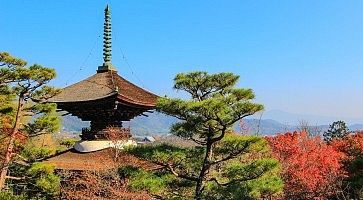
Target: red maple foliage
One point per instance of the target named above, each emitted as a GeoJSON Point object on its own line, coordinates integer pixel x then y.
{"type": "Point", "coordinates": [311, 169]}
{"type": "Point", "coordinates": [5, 132]}
{"type": "Point", "coordinates": [352, 148]}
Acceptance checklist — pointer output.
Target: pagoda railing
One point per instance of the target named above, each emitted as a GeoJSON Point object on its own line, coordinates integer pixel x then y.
{"type": "Point", "coordinates": [107, 133]}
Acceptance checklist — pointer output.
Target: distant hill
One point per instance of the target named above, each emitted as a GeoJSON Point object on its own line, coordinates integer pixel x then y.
{"type": "Point", "coordinates": [293, 119]}
{"type": "Point", "coordinates": [260, 127]}
{"type": "Point", "coordinates": [73, 124]}
{"type": "Point", "coordinates": [272, 127]}
{"type": "Point", "coordinates": [356, 127]}
{"type": "Point", "coordinates": [159, 124]}
{"type": "Point", "coordinates": [154, 124]}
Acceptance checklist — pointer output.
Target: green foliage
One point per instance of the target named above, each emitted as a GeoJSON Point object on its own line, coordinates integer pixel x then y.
{"type": "Point", "coordinates": [6, 103]}
{"type": "Point", "coordinates": [27, 81]}
{"type": "Point", "coordinates": [337, 130]}
{"type": "Point", "coordinates": [7, 109]}
{"type": "Point", "coordinates": [356, 179]}
{"type": "Point", "coordinates": [23, 92]}
{"type": "Point", "coordinates": [43, 108]}
{"type": "Point", "coordinates": [249, 173]}
{"type": "Point", "coordinates": [32, 153]}
{"type": "Point", "coordinates": [182, 160]}
{"type": "Point", "coordinates": [206, 118]}
{"type": "Point", "coordinates": [39, 169]}
{"type": "Point", "coordinates": [49, 184]}
{"type": "Point", "coordinates": [187, 158]}
{"type": "Point", "coordinates": [10, 61]}
{"type": "Point", "coordinates": [10, 196]}
{"type": "Point", "coordinates": [45, 93]}
{"type": "Point", "coordinates": [159, 183]}
{"type": "Point", "coordinates": [145, 180]}
{"type": "Point", "coordinates": [252, 180]}
{"type": "Point", "coordinates": [39, 180]}
{"type": "Point", "coordinates": [233, 144]}
{"type": "Point", "coordinates": [69, 142]}
{"type": "Point", "coordinates": [47, 123]}
{"type": "Point", "coordinates": [214, 105]}
{"type": "Point", "coordinates": [43, 178]}
{"type": "Point", "coordinates": [6, 73]}
{"type": "Point", "coordinates": [203, 82]}
{"type": "Point", "coordinates": [22, 83]}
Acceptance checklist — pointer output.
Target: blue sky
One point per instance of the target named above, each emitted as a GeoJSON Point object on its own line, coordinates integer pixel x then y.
{"type": "Point", "coordinates": [298, 56]}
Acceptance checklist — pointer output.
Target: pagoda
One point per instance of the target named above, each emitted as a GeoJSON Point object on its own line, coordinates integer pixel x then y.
{"type": "Point", "coordinates": [105, 99]}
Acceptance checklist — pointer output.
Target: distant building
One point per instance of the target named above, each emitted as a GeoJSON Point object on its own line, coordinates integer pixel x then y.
{"type": "Point", "coordinates": [144, 139]}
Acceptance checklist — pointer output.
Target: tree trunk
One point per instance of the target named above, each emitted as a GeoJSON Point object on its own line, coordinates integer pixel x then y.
{"type": "Point", "coordinates": [9, 151]}
{"type": "Point", "coordinates": [206, 165]}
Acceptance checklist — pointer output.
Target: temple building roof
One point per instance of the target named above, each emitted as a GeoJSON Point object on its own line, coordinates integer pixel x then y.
{"type": "Point", "coordinates": [103, 85]}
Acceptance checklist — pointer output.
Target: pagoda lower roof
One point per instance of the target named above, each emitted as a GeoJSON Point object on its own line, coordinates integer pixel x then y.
{"type": "Point", "coordinates": [103, 85]}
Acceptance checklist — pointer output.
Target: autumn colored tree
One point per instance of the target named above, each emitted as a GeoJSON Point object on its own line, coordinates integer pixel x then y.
{"type": "Point", "coordinates": [116, 135]}
{"type": "Point", "coordinates": [311, 130]}
{"type": "Point", "coordinates": [352, 148]}
{"type": "Point", "coordinates": [218, 160]}
{"type": "Point", "coordinates": [337, 130]}
{"type": "Point", "coordinates": [94, 185]}
{"type": "Point", "coordinates": [311, 168]}
{"type": "Point", "coordinates": [23, 87]}
{"type": "Point", "coordinates": [243, 127]}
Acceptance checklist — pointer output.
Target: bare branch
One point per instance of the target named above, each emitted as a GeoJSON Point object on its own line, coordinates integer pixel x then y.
{"type": "Point", "coordinates": [173, 171]}
{"type": "Point", "coordinates": [15, 178]}
{"type": "Point", "coordinates": [251, 177]}
{"type": "Point", "coordinates": [231, 155]}
{"type": "Point", "coordinates": [198, 141]}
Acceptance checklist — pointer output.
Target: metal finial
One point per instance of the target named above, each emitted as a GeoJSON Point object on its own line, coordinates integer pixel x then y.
{"type": "Point", "coordinates": [107, 41]}
{"type": "Point", "coordinates": [107, 36]}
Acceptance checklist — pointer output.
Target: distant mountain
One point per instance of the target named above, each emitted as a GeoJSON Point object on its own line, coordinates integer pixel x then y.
{"type": "Point", "coordinates": [294, 119]}
{"type": "Point", "coordinates": [356, 127]}
{"type": "Point", "coordinates": [159, 124]}
{"type": "Point", "coordinates": [154, 124]}
{"type": "Point", "coordinates": [272, 127]}
{"type": "Point", "coordinates": [260, 127]}
{"type": "Point", "coordinates": [73, 124]}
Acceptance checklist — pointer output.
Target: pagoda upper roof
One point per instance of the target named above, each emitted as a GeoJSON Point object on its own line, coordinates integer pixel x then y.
{"type": "Point", "coordinates": [102, 85]}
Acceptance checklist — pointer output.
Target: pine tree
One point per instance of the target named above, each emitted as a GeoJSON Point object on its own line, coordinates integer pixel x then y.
{"type": "Point", "coordinates": [24, 89]}
{"type": "Point", "coordinates": [337, 130]}
{"type": "Point", "coordinates": [223, 164]}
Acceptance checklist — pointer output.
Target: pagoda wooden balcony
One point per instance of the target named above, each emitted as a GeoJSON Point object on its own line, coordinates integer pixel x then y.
{"type": "Point", "coordinates": [104, 134]}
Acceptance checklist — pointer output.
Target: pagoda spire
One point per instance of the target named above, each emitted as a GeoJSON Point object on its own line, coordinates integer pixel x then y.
{"type": "Point", "coordinates": [107, 43]}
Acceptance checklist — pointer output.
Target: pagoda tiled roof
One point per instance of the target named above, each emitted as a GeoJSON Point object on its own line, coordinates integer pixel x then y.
{"type": "Point", "coordinates": [103, 85]}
